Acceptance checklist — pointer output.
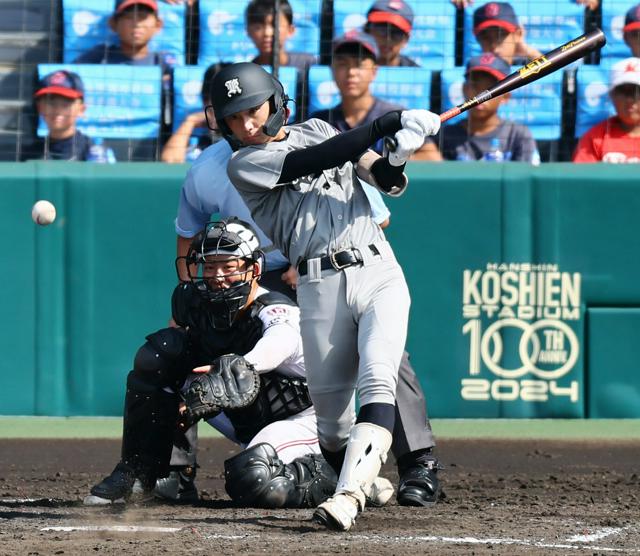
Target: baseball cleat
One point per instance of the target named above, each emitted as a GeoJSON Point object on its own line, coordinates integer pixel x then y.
{"type": "Point", "coordinates": [380, 493]}
{"type": "Point", "coordinates": [179, 486]}
{"type": "Point", "coordinates": [419, 484]}
{"type": "Point", "coordinates": [114, 489]}
{"type": "Point", "coordinates": [338, 512]}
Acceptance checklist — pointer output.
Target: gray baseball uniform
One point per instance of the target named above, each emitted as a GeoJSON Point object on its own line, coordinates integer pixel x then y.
{"type": "Point", "coordinates": [353, 321]}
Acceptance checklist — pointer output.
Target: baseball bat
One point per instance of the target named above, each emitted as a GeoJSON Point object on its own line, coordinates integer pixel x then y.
{"type": "Point", "coordinates": [534, 70]}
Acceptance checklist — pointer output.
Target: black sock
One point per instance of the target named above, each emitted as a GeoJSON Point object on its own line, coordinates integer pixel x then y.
{"type": "Point", "coordinates": [381, 414]}
{"type": "Point", "coordinates": [334, 459]}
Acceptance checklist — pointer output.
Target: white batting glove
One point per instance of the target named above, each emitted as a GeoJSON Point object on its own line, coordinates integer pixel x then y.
{"type": "Point", "coordinates": [420, 121]}
{"type": "Point", "coordinates": [408, 141]}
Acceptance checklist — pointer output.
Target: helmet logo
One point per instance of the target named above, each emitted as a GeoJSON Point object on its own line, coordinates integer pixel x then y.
{"type": "Point", "coordinates": [233, 87]}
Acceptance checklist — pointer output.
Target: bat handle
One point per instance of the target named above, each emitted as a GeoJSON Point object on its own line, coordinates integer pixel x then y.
{"type": "Point", "coordinates": [391, 144]}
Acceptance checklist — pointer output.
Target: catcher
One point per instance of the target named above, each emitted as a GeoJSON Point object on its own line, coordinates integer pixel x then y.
{"type": "Point", "coordinates": [244, 346]}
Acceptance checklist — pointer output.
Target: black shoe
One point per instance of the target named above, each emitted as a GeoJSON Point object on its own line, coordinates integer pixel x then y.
{"type": "Point", "coordinates": [419, 484]}
{"type": "Point", "coordinates": [114, 489]}
{"type": "Point", "coordinates": [179, 486]}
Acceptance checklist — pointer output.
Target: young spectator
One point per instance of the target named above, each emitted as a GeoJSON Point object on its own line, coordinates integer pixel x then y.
{"type": "Point", "coordinates": [390, 23]}
{"type": "Point", "coordinates": [259, 17]}
{"type": "Point", "coordinates": [175, 150]}
{"type": "Point", "coordinates": [135, 22]}
{"type": "Point", "coordinates": [483, 134]}
{"type": "Point", "coordinates": [354, 68]}
{"type": "Point", "coordinates": [59, 100]}
{"type": "Point", "coordinates": [631, 30]}
{"type": "Point", "coordinates": [497, 30]}
{"type": "Point", "coordinates": [616, 139]}
{"type": "Point", "coordinates": [260, 28]}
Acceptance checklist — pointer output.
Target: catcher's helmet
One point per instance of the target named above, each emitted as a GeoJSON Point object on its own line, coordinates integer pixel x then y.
{"type": "Point", "coordinates": [240, 87]}
{"type": "Point", "coordinates": [223, 241]}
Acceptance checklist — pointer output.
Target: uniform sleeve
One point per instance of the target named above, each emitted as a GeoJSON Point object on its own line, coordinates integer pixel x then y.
{"type": "Point", "coordinates": [192, 215]}
{"type": "Point", "coordinates": [280, 337]}
{"type": "Point", "coordinates": [255, 169]}
{"type": "Point", "coordinates": [379, 210]}
{"type": "Point", "coordinates": [586, 149]}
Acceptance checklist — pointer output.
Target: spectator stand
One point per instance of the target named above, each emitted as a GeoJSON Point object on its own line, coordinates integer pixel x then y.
{"type": "Point", "coordinates": [537, 105]}
{"type": "Point", "coordinates": [123, 106]}
{"type": "Point", "coordinates": [613, 14]}
{"type": "Point", "coordinates": [432, 43]}
{"type": "Point", "coordinates": [86, 25]}
{"type": "Point", "coordinates": [187, 85]}
{"type": "Point", "coordinates": [223, 33]}
{"type": "Point", "coordinates": [409, 87]}
{"type": "Point", "coordinates": [593, 102]}
{"type": "Point", "coordinates": [547, 23]}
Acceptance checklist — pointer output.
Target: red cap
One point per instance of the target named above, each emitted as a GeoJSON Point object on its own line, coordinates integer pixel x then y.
{"type": "Point", "coordinates": [124, 4]}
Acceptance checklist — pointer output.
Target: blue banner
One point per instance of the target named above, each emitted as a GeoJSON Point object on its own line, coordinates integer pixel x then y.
{"type": "Point", "coordinates": [408, 87]}
{"type": "Point", "coordinates": [223, 33]}
{"type": "Point", "coordinates": [123, 102]}
{"type": "Point", "coordinates": [593, 103]}
{"type": "Point", "coordinates": [86, 24]}
{"type": "Point", "coordinates": [538, 105]}
{"type": "Point", "coordinates": [432, 40]}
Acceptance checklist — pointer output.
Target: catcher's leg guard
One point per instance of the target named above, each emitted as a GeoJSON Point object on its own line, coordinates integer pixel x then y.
{"type": "Point", "coordinates": [366, 452]}
{"type": "Point", "coordinates": [179, 486]}
{"type": "Point", "coordinates": [257, 477]}
{"type": "Point", "coordinates": [150, 416]}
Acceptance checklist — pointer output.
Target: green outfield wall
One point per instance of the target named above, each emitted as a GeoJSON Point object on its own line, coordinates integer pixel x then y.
{"type": "Point", "coordinates": [524, 281]}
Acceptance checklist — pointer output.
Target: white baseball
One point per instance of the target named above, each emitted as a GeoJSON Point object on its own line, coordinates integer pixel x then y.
{"type": "Point", "coordinates": [43, 213]}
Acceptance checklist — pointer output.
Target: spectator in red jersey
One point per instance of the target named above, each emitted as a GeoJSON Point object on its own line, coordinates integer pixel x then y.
{"type": "Point", "coordinates": [616, 139]}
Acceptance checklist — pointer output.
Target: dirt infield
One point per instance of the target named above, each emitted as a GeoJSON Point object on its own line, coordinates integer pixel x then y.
{"type": "Point", "coordinates": [500, 497]}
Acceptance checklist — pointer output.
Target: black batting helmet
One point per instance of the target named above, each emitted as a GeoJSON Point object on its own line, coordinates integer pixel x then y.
{"type": "Point", "coordinates": [242, 86]}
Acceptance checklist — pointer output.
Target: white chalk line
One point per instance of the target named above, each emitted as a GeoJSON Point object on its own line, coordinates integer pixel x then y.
{"type": "Point", "coordinates": [598, 535]}
{"type": "Point", "coordinates": [115, 528]}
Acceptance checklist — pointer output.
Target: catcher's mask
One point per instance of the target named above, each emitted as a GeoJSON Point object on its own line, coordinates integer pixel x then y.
{"type": "Point", "coordinates": [221, 263]}
{"type": "Point", "coordinates": [242, 86]}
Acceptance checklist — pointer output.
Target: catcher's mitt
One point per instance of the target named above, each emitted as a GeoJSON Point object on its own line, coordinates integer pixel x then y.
{"type": "Point", "coordinates": [232, 383]}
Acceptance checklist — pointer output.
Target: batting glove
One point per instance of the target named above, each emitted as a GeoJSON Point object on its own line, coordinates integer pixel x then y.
{"type": "Point", "coordinates": [407, 141]}
{"type": "Point", "coordinates": [420, 121]}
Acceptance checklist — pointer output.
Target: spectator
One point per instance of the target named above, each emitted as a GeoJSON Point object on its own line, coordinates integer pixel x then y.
{"type": "Point", "coordinates": [175, 150]}
{"type": "Point", "coordinates": [631, 30]}
{"type": "Point", "coordinates": [498, 31]}
{"type": "Point", "coordinates": [354, 68]}
{"type": "Point", "coordinates": [616, 139]}
{"type": "Point", "coordinates": [135, 22]}
{"type": "Point", "coordinates": [483, 135]}
{"type": "Point", "coordinates": [59, 100]}
{"type": "Point", "coordinates": [591, 4]}
{"type": "Point", "coordinates": [390, 23]}
{"type": "Point", "coordinates": [259, 17]}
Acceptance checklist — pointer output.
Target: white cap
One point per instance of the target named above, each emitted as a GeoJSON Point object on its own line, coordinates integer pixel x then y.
{"type": "Point", "coordinates": [625, 71]}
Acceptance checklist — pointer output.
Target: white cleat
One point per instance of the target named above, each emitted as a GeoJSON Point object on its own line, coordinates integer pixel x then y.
{"type": "Point", "coordinates": [380, 493]}
{"type": "Point", "coordinates": [338, 512]}
{"type": "Point", "coordinates": [92, 500]}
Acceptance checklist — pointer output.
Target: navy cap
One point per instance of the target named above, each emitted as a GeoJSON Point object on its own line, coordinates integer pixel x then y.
{"type": "Point", "coordinates": [62, 82]}
{"type": "Point", "coordinates": [366, 41]}
{"type": "Point", "coordinates": [122, 5]}
{"type": "Point", "coordinates": [394, 12]}
{"type": "Point", "coordinates": [632, 19]}
{"type": "Point", "coordinates": [488, 63]}
{"type": "Point", "coordinates": [495, 14]}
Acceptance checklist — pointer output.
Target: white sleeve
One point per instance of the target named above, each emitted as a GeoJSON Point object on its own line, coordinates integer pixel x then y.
{"type": "Point", "coordinates": [280, 337]}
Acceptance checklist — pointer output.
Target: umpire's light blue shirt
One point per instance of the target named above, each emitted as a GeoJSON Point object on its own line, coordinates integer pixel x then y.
{"type": "Point", "coordinates": [207, 190]}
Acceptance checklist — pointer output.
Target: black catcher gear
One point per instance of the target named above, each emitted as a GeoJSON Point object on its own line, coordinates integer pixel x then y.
{"type": "Point", "coordinates": [242, 86]}
{"type": "Point", "coordinates": [257, 477]}
{"type": "Point", "coordinates": [231, 384]}
{"type": "Point", "coordinates": [219, 242]}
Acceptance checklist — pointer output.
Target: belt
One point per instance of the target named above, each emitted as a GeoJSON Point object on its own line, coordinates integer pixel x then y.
{"type": "Point", "coordinates": [339, 260]}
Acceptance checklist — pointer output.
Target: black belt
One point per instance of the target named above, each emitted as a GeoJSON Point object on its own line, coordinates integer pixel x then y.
{"type": "Point", "coordinates": [339, 260]}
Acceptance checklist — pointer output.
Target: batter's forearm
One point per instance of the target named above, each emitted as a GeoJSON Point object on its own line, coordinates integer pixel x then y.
{"type": "Point", "coordinates": [339, 149]}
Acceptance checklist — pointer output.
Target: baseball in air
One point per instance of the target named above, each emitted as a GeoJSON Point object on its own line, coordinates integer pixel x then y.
{"type": "Point", "coordinates": [43, 213]}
